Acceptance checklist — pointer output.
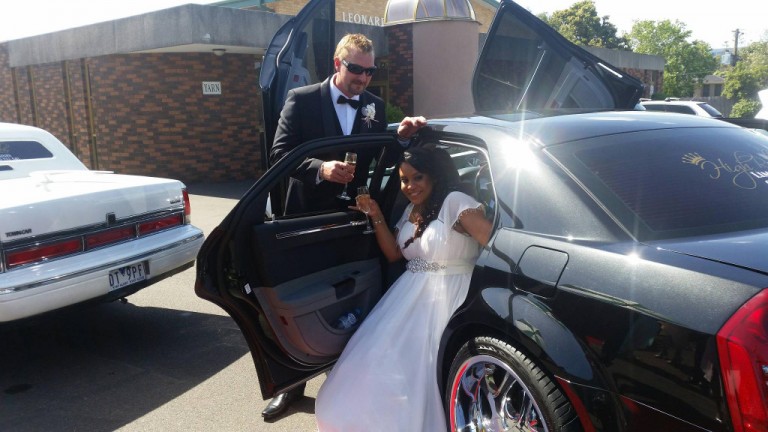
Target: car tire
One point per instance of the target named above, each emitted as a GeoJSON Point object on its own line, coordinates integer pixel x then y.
{"type": "Point", "coordinates": [475, 402]}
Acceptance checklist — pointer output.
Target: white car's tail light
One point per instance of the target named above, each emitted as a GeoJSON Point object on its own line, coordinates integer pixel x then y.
{"type": "Point", "coordinates": [43, 251]}
{"type": "Point", "coordinates": [187, 207]}
{"type": "Point", "coordinates": [159, 224]}
{"type": "Point", "coordinates": [111, 236]}
{"type": "Point", "coordinates": [742, 346]}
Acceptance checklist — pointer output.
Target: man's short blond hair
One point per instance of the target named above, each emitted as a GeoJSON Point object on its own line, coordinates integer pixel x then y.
{"type": "Point", "coordinates": [353, 41]}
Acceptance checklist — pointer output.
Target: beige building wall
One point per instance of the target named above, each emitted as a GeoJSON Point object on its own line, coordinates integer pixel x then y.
{"type": "Point", "coordinates": [444, 57]}
{"type": "Point", "coordinates": [371, 12]}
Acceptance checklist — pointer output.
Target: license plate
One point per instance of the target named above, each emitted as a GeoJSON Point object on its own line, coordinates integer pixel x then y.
{"type": "Point", "coordinates": [127, 275]}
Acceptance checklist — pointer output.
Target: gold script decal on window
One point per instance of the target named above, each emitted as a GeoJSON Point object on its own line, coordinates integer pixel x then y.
{"type": "Point", "coordinates": [744, 171]}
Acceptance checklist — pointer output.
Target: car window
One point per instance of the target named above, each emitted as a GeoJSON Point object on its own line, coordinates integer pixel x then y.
{"type": "Point", "coordinates": [710, 110]}
{"type": "Point", "coordinates": [682, 109]}
{"type": "Point", "coordinates": [663, 184]}
{"type": "Point", "coordinates": [300, 191]}
{"type": "Point", "coordinates": [536, 196]}
{"type": "Point", "coordinates": [23, 150]}
{"type": "Point", "coordinates": [654, 107]}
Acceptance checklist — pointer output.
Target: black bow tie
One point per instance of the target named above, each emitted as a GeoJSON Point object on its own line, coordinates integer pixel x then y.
{"type": "Point", "coordinates": [345, 100]}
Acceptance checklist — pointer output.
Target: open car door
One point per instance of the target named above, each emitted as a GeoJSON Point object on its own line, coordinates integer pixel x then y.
{"type": "Point", "coordinates": [285, 280]}
{"type": "Point", "coordinates": [525, 65]}
{"type": "Point", "coordinates": [300, 53]}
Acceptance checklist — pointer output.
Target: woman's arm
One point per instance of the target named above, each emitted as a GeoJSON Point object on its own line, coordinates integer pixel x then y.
{"type": "Point", "coordinates": [473, 222]}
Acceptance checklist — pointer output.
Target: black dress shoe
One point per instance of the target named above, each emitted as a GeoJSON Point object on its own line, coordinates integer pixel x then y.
{"type": "Point", "coordinates": [280, 403]}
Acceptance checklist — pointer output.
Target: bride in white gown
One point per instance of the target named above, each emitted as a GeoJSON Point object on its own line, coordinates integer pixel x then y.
{"type": "Point", "coordinates": [385, 380]}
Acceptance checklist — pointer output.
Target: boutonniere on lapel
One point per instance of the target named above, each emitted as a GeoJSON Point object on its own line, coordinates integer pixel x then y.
{"type": "Point", "coordinates": [369, 114]}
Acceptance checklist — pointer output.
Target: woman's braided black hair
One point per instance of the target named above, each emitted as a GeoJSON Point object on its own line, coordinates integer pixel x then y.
{"type": "Point", "coordinates": [438, 165]}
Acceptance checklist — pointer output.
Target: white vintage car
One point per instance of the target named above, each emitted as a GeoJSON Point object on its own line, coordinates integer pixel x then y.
{"type": "Point", "coordinates": [70, 235]}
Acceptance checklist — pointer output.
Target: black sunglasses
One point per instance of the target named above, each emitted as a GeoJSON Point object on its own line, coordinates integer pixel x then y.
{"type": "Point", "coordinates": [357, 69]}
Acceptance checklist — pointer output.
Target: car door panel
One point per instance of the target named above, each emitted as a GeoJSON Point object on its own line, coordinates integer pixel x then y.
{"type": "Point", "coordinates": [302, 311]}
{"type": "Point", "coordinates": [312, 270]}
{"type": "Point", "coordinates": [291, 248]}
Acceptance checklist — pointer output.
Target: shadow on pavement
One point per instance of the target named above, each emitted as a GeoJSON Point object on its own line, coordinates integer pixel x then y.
{"type": "Point", "coordinates": [100, 368]}
{"type": "Point", "coordinates": [232, 190]}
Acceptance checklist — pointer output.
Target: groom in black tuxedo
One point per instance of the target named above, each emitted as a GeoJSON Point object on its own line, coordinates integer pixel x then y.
{"type": "Point", "coordinates": [340, 105]}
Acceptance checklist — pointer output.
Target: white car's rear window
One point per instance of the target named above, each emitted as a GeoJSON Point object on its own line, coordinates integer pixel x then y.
{"type": "Point", "coordinates": [23, 150]}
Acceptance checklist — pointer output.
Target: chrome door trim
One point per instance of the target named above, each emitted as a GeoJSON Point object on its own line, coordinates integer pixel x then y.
{"type": "Point", "coordinates": [314, 230]}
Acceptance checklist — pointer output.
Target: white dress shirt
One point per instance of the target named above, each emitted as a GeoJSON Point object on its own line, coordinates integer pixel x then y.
{"type": "Point", "coordinates": [344, 112]}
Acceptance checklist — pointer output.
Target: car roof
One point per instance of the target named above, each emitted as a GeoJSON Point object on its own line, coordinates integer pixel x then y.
{"type": "Point", "coordinates": [553, 130]}
{"type": "Point", "coordinates": [671, 102]}
{"type": "Point", "coordinates": [9, 127]}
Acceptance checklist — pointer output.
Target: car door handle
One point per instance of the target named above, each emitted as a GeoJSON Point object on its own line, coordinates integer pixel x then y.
{"type": "Point", "coordinates": [315, 230]}
{"type": "Point", "coordinates": [344, 288]}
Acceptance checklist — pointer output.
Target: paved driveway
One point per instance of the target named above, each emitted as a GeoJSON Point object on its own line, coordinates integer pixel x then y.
{"type": "Point", "coordinates": [166, 361]}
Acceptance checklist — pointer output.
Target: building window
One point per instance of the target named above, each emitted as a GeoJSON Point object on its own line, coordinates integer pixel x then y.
{"type": "Point", "coordinates": [705, 90]}
{"type": "Point", "coordinates": [718, 89]}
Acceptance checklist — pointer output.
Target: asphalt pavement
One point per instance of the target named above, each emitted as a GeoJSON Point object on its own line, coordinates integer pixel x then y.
{"type": "Point", "coordinates": [165, 361]}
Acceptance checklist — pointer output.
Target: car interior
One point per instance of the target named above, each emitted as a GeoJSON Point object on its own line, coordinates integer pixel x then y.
{"type": "Point", "coordinates": [313, 268]}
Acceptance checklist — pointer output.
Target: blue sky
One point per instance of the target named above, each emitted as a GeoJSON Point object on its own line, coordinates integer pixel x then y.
{"type": "Point", "coordinates": [712, 24]}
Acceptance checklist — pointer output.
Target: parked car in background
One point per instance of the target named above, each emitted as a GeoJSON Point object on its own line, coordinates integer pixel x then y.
{"type": "Point", "coordinates": [625, 284]}
{"type": "Point", "coordinates": [683, 107]}
{"type": "Point", "coordinates": [70, 235]}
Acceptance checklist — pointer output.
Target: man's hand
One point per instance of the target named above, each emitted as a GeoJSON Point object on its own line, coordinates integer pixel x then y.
{"type": "Point", "coordinates": [337, 172]}
{"type": "Point", "coordinates": [409, 126]}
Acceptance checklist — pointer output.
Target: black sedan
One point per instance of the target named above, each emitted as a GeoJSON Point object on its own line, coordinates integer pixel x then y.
{"type": "Point", "coordinates": [624, 286]}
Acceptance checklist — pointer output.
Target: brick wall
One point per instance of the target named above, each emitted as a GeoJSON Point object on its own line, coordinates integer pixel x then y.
{"type": "Point", "coordinates": [7, 98]}
{"type": "Point", "coordinates": [23, 95]}
{"type": "Point", "coordinates": [151, 116]}
{"type": "Point", "coordinates": [648, 77]}
{"type": "Point", "coordinates": [50, 106]}
{"type": "Point", "coordinates": [147, 114]}
{"type": "Point", "coordinates": [78, 110]}
{"type": "Point", "coordinates": [400, 64]}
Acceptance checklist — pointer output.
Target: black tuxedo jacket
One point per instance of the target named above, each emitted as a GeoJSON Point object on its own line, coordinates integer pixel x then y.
{"type": "Point", "coordinates": [309, 114]}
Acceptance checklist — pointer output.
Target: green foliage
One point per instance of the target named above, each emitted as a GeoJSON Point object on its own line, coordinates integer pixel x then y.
{"type": "Point", "coordinates": [394, 113]}
{"type": "Point", "coordinates": [581, 25]}
{"type": "Point", "coordinates": [687, 63]}
{"type": "Point", "coordinates": [750, 74]}
{"type": "Point", "coordinates": [745, 108]}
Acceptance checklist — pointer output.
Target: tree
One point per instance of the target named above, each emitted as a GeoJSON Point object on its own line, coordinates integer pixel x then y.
{"type": "Point", "coordinates": [581, 25]}
{"type": "Point", "coordinates": [743, 81]}
{"type": "Point", "coordinates": [687, 63]}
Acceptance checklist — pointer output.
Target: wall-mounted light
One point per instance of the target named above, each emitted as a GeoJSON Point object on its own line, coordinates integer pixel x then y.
{"type": "Point", "coordinates": [219, 51]}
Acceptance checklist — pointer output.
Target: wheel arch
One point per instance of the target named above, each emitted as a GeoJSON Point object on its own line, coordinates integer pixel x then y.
{"type": "Point", "coordinates": [585, 383]}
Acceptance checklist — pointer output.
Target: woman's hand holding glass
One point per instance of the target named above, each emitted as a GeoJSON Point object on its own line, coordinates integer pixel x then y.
{"type": "Point", "coordinates": [364, 204]}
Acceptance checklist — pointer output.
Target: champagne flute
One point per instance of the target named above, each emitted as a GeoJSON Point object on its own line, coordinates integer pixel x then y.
{"type": "Point", "coordinates": [364, 204]}
{"type": "Point", "coordinates": [350, 159]}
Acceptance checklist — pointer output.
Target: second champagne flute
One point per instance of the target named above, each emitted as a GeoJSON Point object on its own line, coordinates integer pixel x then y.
{"type": "Point", "coordinates": [364, 204]}
{"type": "Point", "coordinates": [351, 159]}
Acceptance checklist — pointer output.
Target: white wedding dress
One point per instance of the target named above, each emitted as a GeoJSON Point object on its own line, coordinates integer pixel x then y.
{"type": "Point", "coordinates": [385, 380]}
